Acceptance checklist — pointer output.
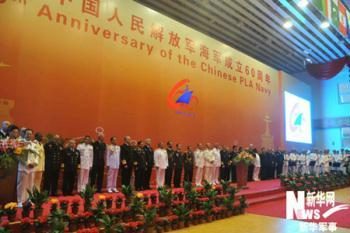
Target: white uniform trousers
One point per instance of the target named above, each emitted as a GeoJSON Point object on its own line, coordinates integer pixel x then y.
{"type": "Point", "coordinates": [38, 176]}
{"type": "Point", "coordinates": [285, 169]}
{"type": "Point", "coordinates": [83, 179]}
{"type": "Point", "coordinates": [160, 176]}
{"type": "Point", "coordinates": [209, 174]}
{"type": "Point", "coordinates": [216, 174]}
{"type": "Point", "coordinates": [25, 180]}
{"type": "Point", "coordinates": [199, 176]}
{"type": "Point", "coordinates": [256, 173]}
{"type": "Point", "coordinates": [112, 178]}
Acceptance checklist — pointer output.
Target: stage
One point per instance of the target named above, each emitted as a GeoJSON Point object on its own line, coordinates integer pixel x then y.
{"type": "Point", "coordinates": [257, 192]}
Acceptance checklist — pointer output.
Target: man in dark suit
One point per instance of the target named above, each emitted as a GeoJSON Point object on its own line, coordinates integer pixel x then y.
{"type": "Point", "coordinates": [234, 152]}
{"type": "Point", "coordinates": [279, 159]}
{"type": "Point", "coordinates": [178, 165]}
{"type": "Point", "coordinates": [170, 169]}
{"type": "Point", "coordinates": [53, 160]}
{"type": "Point", "coordinates": [139, 164]}
{"type": "Point", "coordinates": [126, 161]}
{"type": "Point", "coordinates": [264, 164]}
{"type": "Point", "coordinates": [149, 157]}
{"type": "Point", "coordinates": [71, 159]}
{"type": "Point", "coordinates": [188, 164]}
{"type": "Point", "coordinates": [98, 164]}
{"type": "Point", "coordinates": [225, 164]}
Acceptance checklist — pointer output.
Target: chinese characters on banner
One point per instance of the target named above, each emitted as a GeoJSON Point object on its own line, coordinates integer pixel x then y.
{"type": "Point", "coordinates": [186, 50]}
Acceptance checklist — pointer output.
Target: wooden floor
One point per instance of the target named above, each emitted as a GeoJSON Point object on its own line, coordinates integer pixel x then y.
{"type": "Point", "coordinates": [251, 223]}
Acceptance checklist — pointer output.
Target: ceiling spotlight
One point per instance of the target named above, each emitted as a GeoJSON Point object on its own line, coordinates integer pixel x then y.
{"type": "Point", "coordinates": [303, 3]}
{"type": "Point", "coordinates": [288, 25]}
{"type": "Point", "coordinates": [325, 24]}
{"type": "Point", "coordinates": [308, 60]}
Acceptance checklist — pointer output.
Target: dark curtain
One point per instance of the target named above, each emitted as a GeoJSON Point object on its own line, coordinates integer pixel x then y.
{"type": "Point", "coordinates": [328, 70]}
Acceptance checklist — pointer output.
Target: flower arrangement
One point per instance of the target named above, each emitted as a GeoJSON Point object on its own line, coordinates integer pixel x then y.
{"type": "Point", "coordinates": [10, 210]}
{"type": "Point", "coordinates": [244, 157]}
{"type": "Point", "coordinates": [75, 205]}
{"type": "Point", "coordinates": [11, 152]}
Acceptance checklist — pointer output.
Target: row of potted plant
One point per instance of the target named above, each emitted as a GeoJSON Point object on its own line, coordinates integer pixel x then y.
{"type": "Point", "coordinates": [167, 210]}
{"type": "Point", "coordinates": [312, 182]}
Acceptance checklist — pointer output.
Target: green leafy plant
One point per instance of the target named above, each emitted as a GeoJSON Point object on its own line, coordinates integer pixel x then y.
{"type": "Point", "coordinates": [127, 191]}
{"type": "Point", "coordinates": [232, 192]}
{"type": "Point", "coordinates": [165, 196]}
{"type": "Point", "coordinates": [207, 186]}
{"type": "Point", "coordinates": [88, 195]}
{"type": "Point", "coordinates": [4, 230]}
{"type": "Point", "coordinates": [208, 207]}
{"type": "Point", "coordinates": [192, 198]}
{"type": "Point", "coordinates": [136, 207]}
{"type": "Point", "coordinates": [58, 221]}
{"type": "Point", "coordinates": [224, 186]}
{"type": "Point", "coordinates": [182, 212]}
{"type": "Point", "coordinates": [242, 203]}
{"type": "Point", "coordinates": [38, 198]}
{"type": "Point", "coordinates": [228, 203]}
{"type": "Point", "coordinates": [150, 215]}
{"type": "Point", "coordinates": [187, 187]}
{"type": "Point", "coordinates": [109, 224]}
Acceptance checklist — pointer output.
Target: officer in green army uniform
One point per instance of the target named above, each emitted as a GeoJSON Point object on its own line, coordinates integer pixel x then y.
{"type": "Point", "coordinates": [170, 169]}
{"type": "Point", "coordinates": [188, 164]}
{"type": "Point", "coordinates": [53, 161]}
{"type": "Point", "coordinates": [71, 159]}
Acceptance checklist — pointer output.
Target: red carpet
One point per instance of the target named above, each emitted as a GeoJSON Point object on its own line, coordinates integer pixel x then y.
{"type": "Point", "coordinates": [277, 208]}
